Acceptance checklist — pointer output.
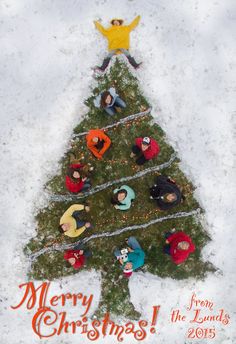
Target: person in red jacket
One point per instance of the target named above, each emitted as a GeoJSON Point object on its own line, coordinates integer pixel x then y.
{"type": "Point", "coordinates": [77, 256]}
{"type": "Point", "coordinates": [145, 148]}
{"type": "Point", "coordinates": [75, 182]}
{"type": "Point", "coordinates": [179, 246]}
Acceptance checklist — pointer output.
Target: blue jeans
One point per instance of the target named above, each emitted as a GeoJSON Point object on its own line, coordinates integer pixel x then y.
{"type": "Point", "coordinates": [110, 110]}
{"type": "Point", "coordinates": [132, 243]}
{"type": "Point", "coordinates": [86, 186]}
{"type": "Point", "coordinates": [87, 253]}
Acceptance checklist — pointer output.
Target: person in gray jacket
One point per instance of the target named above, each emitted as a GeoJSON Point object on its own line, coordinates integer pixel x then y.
{"type": "Point", "coordinates": [109, 101]}
{"type": "Point", "coordinates": [123, 197]}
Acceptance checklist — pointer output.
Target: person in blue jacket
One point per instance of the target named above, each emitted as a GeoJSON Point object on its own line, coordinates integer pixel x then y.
{"type": "Point", "coordinates": [134, 259]}
{"type": "Point", "coordinates": [123, 197]}
{"type": "Point", "coordinates": [109, 101]}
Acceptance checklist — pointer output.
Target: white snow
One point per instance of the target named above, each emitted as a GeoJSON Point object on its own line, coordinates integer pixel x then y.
{"type": "Point", "coordinates": [188, 53]}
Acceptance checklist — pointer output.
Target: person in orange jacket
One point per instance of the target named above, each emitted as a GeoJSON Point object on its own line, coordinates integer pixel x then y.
{"type": "Point", "coordinates": [97, 142]}
{"type": "Point", "coordinates": [118, 40]}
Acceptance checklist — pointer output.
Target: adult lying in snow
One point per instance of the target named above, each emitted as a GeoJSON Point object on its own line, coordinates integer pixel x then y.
{"type": "Point", "coordinates": [179, 246]}
{"type": "Point", "coordinates": [123, 197]}
{"type": "Point", "coordinates": [97, 142]}
{"type": "Point", "coordinates": [71, 223]}
{"type": "Point", "coordinates": [134, 258]}
{"type": "Point", "coordinates": [145, 148]}
{"type": "Point", "coordinates": [118, 40]}
{"type": "Point", "coordinates": [166, 193]}
{"type": "Point", "coordinates": [109, 101]}
{"type": "Point", "coordinates": [77, 256]}
{"type": "Point", "coordinates": [75, 182]}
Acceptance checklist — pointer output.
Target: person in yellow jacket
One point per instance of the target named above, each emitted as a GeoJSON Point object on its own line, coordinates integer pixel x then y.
{"type": "Point", "coordinates": [118, 40]}
{"type": "Point", "coordinates": [70, 222]}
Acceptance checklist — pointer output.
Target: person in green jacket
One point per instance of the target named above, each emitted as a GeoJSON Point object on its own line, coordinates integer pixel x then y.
{"type": "Point", "coordinates": [134, 259]}
{"type": "Point", "coordinates": [123, 197]}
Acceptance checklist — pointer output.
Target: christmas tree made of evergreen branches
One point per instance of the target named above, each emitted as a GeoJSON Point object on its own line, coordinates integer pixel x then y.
{"type": "Point", "coordinates": [143, 220]}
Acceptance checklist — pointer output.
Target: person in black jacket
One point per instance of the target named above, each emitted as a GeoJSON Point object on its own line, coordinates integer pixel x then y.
{"type": "Point", "coordinates": [166, 193]}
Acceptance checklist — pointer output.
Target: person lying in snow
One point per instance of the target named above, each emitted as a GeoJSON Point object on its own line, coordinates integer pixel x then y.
{"type": "Point", "coordinates": [178, 245]}
{"type": "Point", "coordinates": [97, 142]}
{"type": "Point", "coordinates": [123, 197]}
{"type": "Point", "coordinates": [109, 101]}
{"type": "Point", "coordinates": [77, 179]}
{"type": "Point", "coordinates": [77, 256]}
{"type": "Point", "coordinates": [145, 148]}
{"type": "Point", "coordinates": [133, 260]}
{"type": "Point", "coordinates": [71, 223]}
{"type": "Point", "coordinates": [118, 40]}
{"type": "Point", "coordinates": [166, 193]}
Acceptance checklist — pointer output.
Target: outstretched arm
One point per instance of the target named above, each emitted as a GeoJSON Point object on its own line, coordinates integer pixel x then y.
{"type": "Point", "coordinates": [94, 150]}
{"type": "Point", "coordinates": [134, 23]}
{"type": "Point", "coordinates": [100, 28]}
{"type": "Point", "coordinates": [107, 143]}
{"type": "Point", "coordinates": [69, 212]}
{"type": "Point", "coordinates": [76, 232]}
{"type": "Point", "coordinates": [125, 206]}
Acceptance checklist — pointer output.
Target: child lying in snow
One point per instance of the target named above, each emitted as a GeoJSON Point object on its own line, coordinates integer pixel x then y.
{"type": "Point", "coordinates": [118, 40]}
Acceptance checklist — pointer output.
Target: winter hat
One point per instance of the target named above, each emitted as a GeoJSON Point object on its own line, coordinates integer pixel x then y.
{"type": "Point", "coordinates": [128, 273]}
{"type": "Point", "coordinates": [146, 140]}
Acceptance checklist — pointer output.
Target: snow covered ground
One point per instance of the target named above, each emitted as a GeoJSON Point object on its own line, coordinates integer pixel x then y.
{"type": "Point", "coordinates": [188, 52]}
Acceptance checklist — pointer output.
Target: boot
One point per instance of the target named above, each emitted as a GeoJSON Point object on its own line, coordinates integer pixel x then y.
{"type": "Point", "coordinates": [133, 62]}
{"type": "Point", "coordinates": [104, 64]}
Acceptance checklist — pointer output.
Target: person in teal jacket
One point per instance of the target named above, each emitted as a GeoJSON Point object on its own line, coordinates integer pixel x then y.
{"type": "Point", "coordinates": [133, 260]}
{"type": "Point", "coordinates": [123, 197]}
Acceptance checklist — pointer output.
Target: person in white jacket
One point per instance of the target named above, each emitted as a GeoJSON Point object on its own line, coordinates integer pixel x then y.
{"type": "Point", "coordinates": [109, 101]}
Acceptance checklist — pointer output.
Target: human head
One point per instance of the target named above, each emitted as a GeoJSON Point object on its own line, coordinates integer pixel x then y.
{"type": "Point", "coordinates": [71, 261]}
{"type": "Point", "coordinates": [183, 245]}
{"type": "Point", "coordinates": [116, 22]}
{"type": "Point", "coordinates": [74, 173]}
{"type": "Point", "coordinates": [128, 269]}
{"type": "Point", "coordinates": [106, 99]}
{"type": "Point", "coordinates": [145, 143]}
{"type": "Point", "coordinates": [119, 196]}
{"type": "Point", "coordinates": [128, 266]}
{"type": "Point", "coordinates": [64, 227]}
{"type": "Point", "coordinates": [171, 197]}
{"type": "Point", "coordinates": [95, 139]}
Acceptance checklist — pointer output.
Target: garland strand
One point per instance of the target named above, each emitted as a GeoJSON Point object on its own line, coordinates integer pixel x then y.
{"type": "Point", "coordinates": [121, 121]}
